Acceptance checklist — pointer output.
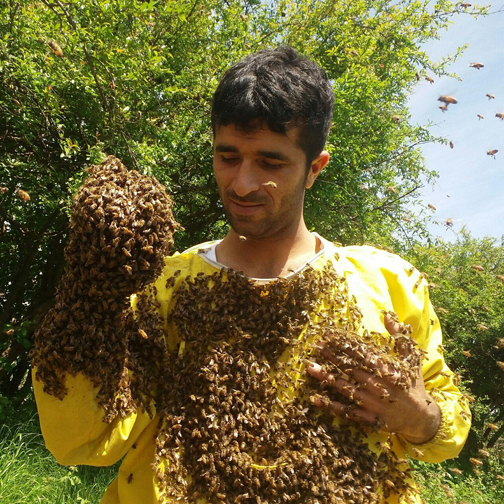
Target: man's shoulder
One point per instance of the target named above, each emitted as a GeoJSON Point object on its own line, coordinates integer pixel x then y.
{"type": "Point", "coordinates": [374, 260]}
{"type": "Point", "coordinates": [188, 261]}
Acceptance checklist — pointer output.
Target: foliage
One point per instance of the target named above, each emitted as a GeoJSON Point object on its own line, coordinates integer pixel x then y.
{"type": "Point", "coordinates": [82, 78]}
{"type": "Point", "coordinates": [467, 291]}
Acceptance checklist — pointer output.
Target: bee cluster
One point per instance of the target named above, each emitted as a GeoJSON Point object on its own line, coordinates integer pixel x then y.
{"type": "Point", "coordinates": [236, 422]}
{"type": "Point", "coordinates": [121, 228]}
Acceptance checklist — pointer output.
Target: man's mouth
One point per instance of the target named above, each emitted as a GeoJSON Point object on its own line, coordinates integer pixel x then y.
{"type": "Point", "coordinates": [245, 207]}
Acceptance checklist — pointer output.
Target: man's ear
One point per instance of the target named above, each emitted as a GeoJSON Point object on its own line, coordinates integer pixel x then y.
{"type": "Point", "coordinates": [316, 167]}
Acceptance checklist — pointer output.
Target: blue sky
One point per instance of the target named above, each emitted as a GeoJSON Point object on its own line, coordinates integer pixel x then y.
{"type": "Point", "coordinates": [473, 180]}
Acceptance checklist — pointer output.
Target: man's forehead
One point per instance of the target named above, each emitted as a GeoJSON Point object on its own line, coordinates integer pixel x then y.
{"type": "Point", "coordinates": [224, 135]}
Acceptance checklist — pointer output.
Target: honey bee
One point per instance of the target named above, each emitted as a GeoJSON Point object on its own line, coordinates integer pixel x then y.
{"type": "Point", "coordinates": [449, 222]}
{"type": "Point", "coordinates": [465, 5]}
{"type": "Point", "coordinates": [478, 66]}
{"type": "Point", "coordinates": [492, 153]}
{"type": "Point", "coordinates": [271, 184]}
{"type": "Point", "coordinates": [490, 96]}
{"type": "Point", "coordinates": [500, 364]}
{"type": "Point", "coordinates": [243, 238]}
{"type": "Point", "coordinates": [129, 479]}
{"type": "Point", "coordinates": [451, 144]}
{"type": "Point", "coordinates": [455, 470]}
{"type": "Point", "coordinates": [477, 267]}
{"type": "Point", "coordinates": [466, 353]}
{"type": "Point", "coordinates": [500, 115]}
{"type": "Point", "coordinates": [493, 427]}
{"type": "Point", "coordinates": [431, 206]}
{"type": "Point", "coordinates": [480, 117]}
{"type": "Point", "coordinates": [55, 48]}
{"type": "Point", "coordinates": [482, 327]}
{"type": "Point", "coordinates": [23, 195]}
{"type": "Point", "coordinates": [484, 453]}
{"type": "Point", "coordinates": [443, 108]}
{"type": "Point", "coordinates": [476, 462]}
{"type": "Point", "coordinates": [447, 99]}
{"type": "Point", "coordinates": [429, 79]}
{"type": "Point", "coordinates": [396, 118]}
{"type": "Point", "coordinates": [500, 278]}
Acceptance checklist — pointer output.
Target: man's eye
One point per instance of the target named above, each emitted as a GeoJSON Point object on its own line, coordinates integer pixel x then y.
{"type": "Point", "coordinates": [228, 159]}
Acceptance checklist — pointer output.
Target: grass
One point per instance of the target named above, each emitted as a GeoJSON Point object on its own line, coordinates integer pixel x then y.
{"type": "Point", "coordinates": [29, 474]}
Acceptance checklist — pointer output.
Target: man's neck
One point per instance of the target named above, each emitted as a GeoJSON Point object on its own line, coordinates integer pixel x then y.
{"type": "Point", "coordinates": [271, 257]}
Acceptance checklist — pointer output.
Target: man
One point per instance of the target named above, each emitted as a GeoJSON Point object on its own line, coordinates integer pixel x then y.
{"type": "Point", "coordinates": [280, 381]}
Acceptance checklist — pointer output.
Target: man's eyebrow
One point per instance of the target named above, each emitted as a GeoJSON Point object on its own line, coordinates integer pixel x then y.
{"type": "Point", "coordinates": [266, 154]}
{"type": "Point", "coordinates": [273, 155]}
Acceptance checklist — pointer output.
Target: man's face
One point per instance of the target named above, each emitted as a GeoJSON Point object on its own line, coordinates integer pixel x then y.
{"type": "Point", "coordinates": [244, 164]}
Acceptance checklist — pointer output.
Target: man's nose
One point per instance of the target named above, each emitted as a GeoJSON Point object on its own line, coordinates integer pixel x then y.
{"type": "Point", "coordinates": [247, 179]}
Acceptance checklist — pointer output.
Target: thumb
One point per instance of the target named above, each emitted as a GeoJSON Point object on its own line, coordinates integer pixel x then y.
{"type": "Point", "coordinates": [397, 330]}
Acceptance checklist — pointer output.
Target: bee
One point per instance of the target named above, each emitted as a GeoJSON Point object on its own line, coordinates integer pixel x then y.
{"type": "Point", "coordinates": [449, 222]}
{"type": "Point", "coordinates": [500, 364]}
{"type": "Point", "coordinates": [23, 195]}
{"type": "Point", "coordinates": [406, 219]}
{"type": "Point", "coordinates": [478, 66]}
{"type": "Point", "coordinates": [3, 189]}
{"type": "Point", "coordinates": [466, 353]}
{"type": "Point", "coordinates": [129, 479]}
{"type": "Point", "coordinates": [443, 108]}
{"type": "Point", "coordinates": [500, 115]}
{"type": "Point", "coordinates": [271, 184]}
{"type": "Point", "coordinates": [429, 79]}
{"type": "Point", "coordinates": [431, 206]}
{"type": "Point", "coordinates": [477, 267]}
{"type": "Point", "coordinates": [143, 334]}
{"type": "Point", "coordinates": [243, 238]}
{"type": "Point", "coordinates": [451, 144]}
{"type": "Point", "coordinates": [490, 96]}
{"type": "Point", "coordinates": [492, 152]}
{"type": "Point", "coordinates": [500, 343]}
{"type": "Point", "coordinates": [480, 117]}
{"type": "Point", "coordinates": [418, 453]}
{"type": "Point", "coordinates": [465, 5]}
{"type": "Point", "coordinates": [476, 462]}
{"type": "Point", "coordinates": [500, 278]}
{"type": "Point", "coordinates": [500, 478]}
{"type": "Point", "coordinates": [447, 99]}
{"type": "Point", "coordinates": [55, 48]}
{"type": "Point", "coordinates": [493, 427]}
{"type": "Point", "coordinates": [396, 118]}
{"type": "Point", "coordinates": [392, 189]}
{"type": "Point", "coordinates": [465, 415]}
{"type": "Point", "coordinates": [455, 470]}
{"type": "Point", "coordinates": [484, 453]}
{"type": "Point", "coordinates": [417, 76]}
{"type": "Point", "coordinates": [482, 327]}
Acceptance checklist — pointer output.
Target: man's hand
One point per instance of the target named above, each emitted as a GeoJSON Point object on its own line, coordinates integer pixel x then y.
{"type": "Point", "coordinates": [409, 411]}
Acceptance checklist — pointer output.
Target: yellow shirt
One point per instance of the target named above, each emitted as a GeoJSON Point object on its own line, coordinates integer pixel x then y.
{"type": "Point", "coordinates": [75, 433]}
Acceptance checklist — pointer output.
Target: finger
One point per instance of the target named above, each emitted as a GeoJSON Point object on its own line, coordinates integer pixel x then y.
{"type": "Point", "coordinates": [342, 410]}
{"type": "Point", "coordinates": [392, 326]}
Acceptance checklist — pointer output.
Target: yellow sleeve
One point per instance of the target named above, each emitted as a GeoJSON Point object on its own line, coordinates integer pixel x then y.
{"type": "Point", "coordinates": [408, 296]}
{"type": "Point", "coordinates": [73, 428]}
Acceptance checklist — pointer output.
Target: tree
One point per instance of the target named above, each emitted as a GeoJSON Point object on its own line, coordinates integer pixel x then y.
{"type": "Point", "coordinates": [82, 78]}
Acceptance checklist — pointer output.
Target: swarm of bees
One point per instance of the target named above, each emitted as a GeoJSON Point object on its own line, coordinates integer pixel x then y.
{"type": "Point", "coordinates": [121, 227]}
{"type": "Point", "coordinates": [248, 431]}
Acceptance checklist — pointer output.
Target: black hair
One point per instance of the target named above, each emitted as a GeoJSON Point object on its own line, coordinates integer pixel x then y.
{"type": "Point", "coordinates": [280, 89]}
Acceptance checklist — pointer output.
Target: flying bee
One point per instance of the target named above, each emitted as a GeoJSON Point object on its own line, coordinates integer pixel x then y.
{"type": "Point", "coordinates": [465, 5]}
{"type": "Point", "coordinates": [478, 66]}
{"type": "Point", "coordinates": [23, 195]}
{"type": "Point", "coordinates": [455, 470]}
{"type": "Point", "coordinates": [476, 462]}
{"type": "Point", "coordinates": [447, 99]}
{"type": "Point", "coordinates": [129, 479]}
{"type": "Point", "coordinates": [429, 79]}
{"type": "Point", "coordinates": [466, 353]}
{"type": "Point", "coordinates": [449, 222]}
{"type": "Point", "coordinates": [477, 267]}
{"type": "Point", "coordinates": [480, 117]}
{"type": "Point", "coordinates": [492, 152]}
{"type": "Point", "coordinates": [493, 427]}
{"type": "Point", "coordinates": [55, 48]}
{"type": "Point", "coordinates": [396, 118]}
{"type": "Point", "coordinates": [443, 108]}
{"type": "Point", "coordinates": [500, 115]}
{"type": "Point", "coordinates": [451, 144]}
{"type": "Point", "coordinates": [482, 327]}
{"type": "Point", "coordinates": [431, 206]}
{"type": "Point", "coordinates": [490, 96]}
{"type": "Point", "coordinates": [484, 453]}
